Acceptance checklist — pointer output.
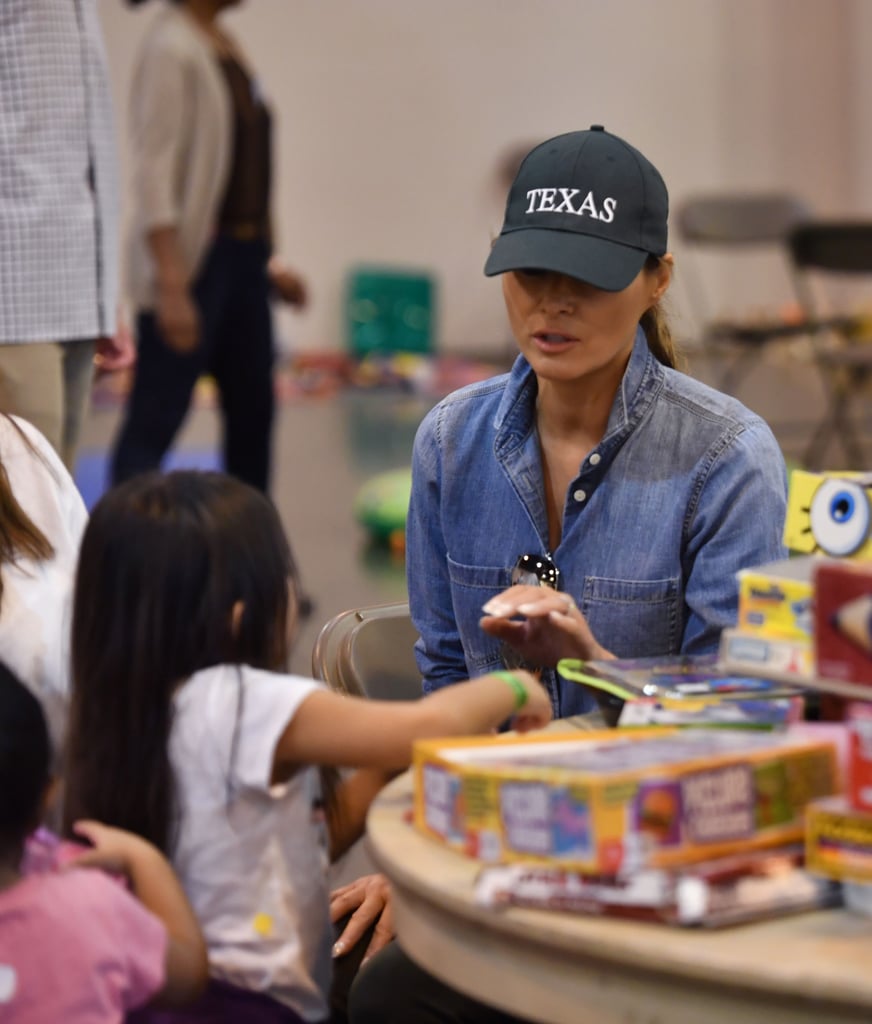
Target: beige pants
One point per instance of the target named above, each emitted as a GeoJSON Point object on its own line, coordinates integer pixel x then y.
{"type": "Point", "coordinates": [49, 384]}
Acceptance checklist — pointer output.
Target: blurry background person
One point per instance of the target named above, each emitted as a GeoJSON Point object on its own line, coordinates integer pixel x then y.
{"type": "Point", "coordinates": [58, 215]}
{"type": "Point", "coordinates": [201, 268]}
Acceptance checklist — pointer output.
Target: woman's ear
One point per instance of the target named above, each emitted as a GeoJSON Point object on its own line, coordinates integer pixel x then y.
{"type": "Point", "coordinates": [236, 613]}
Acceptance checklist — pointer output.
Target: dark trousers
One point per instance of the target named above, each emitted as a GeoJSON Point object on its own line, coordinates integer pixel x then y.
{"type": "Point", "coordinates": [236, 347]}
{"type": "Point", "coordinates": [392, 989]}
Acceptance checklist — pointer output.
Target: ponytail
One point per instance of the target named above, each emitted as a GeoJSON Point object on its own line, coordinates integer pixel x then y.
{"type": "Point", "coordinates": [657, 331]}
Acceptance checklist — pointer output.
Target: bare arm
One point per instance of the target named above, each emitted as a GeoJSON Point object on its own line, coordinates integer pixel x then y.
{"type": "Point", "coordinates": [154, 883]}
{"type": "Point", "coordinates": [332, 729]}
{"type": "Point", "coordinates": [346, 815]}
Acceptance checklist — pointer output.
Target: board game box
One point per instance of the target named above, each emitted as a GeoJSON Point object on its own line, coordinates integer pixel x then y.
{"type": "Point", "coordinates": [613, 801]}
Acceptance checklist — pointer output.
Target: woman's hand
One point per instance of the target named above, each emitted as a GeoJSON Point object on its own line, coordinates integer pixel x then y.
{"type": "Point", "coordinates": [177, 318]}
{"type": "Point", "coordinates": [368, 900]}
{"type": "Point", "coordinates": [287, 284]}
{"type": "Point", "coordinates": [542, 625]}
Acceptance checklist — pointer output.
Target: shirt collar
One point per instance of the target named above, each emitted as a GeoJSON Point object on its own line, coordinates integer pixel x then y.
{"type": "Point", "coordinates": [643, 377]}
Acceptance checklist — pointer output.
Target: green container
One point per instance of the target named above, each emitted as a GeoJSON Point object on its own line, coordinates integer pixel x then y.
{"type": "Point", "coordinates": [389, 310]}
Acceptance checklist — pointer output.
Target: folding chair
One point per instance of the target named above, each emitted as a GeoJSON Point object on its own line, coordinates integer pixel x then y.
{"type": "Point", "coordinates": [835, 253]}
{"type": "Point", "coordinates": [369, 652]}
{"type": "Point", "coordinates": [737, 223]}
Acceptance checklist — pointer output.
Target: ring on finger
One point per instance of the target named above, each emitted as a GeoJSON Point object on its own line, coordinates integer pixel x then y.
{"type": "Point", "coordinates": [570, 605]}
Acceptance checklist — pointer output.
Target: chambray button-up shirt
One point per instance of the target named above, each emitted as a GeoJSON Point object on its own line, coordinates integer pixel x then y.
{"type": "Point", "coordinates": [686, 488]}
{"type": "Point", "coordinates": [58, 174]}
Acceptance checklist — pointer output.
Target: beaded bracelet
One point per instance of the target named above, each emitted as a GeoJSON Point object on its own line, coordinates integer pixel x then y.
{"type": "Point", "coordinates": [517, 686]}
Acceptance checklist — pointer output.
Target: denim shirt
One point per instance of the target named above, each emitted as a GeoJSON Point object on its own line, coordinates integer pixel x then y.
{"type": "Point", "coordinates": [686, 487]}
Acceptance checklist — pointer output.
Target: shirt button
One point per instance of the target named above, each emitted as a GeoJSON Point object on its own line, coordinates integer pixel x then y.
{"type": "Point", "coordinates": [579, 495]}
{"type": "Point", "coordinates": [594, 460]}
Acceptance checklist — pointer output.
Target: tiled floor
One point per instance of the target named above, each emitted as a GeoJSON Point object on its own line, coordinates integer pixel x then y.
{"type": "Point", "coordinates": [326, 448]}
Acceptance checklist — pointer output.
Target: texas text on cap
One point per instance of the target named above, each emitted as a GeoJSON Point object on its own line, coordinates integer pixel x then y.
{"type": "Point", "coordinates": [585, 204]}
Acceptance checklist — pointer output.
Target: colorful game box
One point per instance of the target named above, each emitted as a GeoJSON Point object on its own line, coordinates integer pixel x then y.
{"type": "Point", "coordinates": [612, 802]}
{"type": "Point", "coordinates": [775, 599]}
{"type": "Point", "coordinates": [838, 840]}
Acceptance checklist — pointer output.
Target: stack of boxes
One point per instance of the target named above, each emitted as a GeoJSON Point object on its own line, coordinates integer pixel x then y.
{"type": "Point", "coordinates": [810, 616]}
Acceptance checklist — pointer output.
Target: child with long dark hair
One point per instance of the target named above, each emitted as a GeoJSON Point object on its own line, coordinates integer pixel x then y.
{"type": "Point", "coordinates": [75, 945]}
{"type": "Point", "coordinates": [185, 730]}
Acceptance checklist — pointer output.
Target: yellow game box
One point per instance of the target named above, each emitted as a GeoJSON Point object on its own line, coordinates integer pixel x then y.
{"type": "Point", "coordinates": [838, 840]}
{"type": "Point", "coordinates": [775, 600]}
{"type": "Point", "coordinates": [610, 802]}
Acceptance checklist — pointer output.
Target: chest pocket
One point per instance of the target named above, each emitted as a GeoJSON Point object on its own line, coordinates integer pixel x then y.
{"type": "Point", "coordinates": [471, 587]}
{"type": "Point", "coordinates": [634, 618]}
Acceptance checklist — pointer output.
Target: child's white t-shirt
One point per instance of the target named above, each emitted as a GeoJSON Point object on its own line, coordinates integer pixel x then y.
{"type": "Point", "coordinates": [252, 857]}
{"type": "Point", "coordinates": [36, 607]}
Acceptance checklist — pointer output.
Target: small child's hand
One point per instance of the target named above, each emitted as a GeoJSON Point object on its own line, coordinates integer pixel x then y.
{"type": "Point", "coordinates": [113, 849]}
{"type": "Point", "coordinates": [537, 712]}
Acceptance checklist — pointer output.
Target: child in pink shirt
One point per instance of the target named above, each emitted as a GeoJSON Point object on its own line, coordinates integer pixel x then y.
{"type": "Point", "coordinates": [75, 945]}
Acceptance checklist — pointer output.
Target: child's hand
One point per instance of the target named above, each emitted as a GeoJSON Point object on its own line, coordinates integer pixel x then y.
{"type": "Point", "coordinates": [113, 849]}
{"type": "Point", "coordinates": [537, 712]}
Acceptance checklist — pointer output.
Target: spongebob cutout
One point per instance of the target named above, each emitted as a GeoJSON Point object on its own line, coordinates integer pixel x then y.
{"type": "Point", "coordinates": [830, 513]}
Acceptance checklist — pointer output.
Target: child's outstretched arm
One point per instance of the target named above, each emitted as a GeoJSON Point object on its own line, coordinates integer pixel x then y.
{"type": "Point", "coordinates": [377, 736]}
{"type": "Point", "coordinates": [154, 883]}
{"type": "Point", "coordinates": [331, 729]}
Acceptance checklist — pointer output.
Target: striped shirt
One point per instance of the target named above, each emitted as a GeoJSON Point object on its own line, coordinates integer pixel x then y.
{"type": "Point", "coordinates": [58, 174]}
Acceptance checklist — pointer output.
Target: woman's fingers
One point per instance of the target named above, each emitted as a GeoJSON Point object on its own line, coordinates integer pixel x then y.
{"type": "Point", "coordinates": [531, 602]}
{"type": "Point", "coordinates": [382, 934]}
{"type": "Point", "coordinates": [368, 911]}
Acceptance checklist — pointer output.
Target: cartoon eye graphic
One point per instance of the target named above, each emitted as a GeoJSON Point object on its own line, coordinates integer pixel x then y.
{"type": "Point", "coordinates": [839, 517]}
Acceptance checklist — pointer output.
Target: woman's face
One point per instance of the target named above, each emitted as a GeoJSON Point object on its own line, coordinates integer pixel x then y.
{"type": "Point", "coordinates": [569, 330]}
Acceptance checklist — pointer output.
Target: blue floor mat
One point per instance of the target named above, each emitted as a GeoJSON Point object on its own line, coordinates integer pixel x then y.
{"type": "Point", "coordinates": [92, 469]}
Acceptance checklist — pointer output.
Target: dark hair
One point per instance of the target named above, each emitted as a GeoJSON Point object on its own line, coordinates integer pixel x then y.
{"type": "Point", "coordinates": [656, 327]}
{"type": "Point", "coordinates": [163, 562]}
{"type": "Point", "coordinates": [25, 756]}
{"type": "Point", "coordinates": [19, 536]}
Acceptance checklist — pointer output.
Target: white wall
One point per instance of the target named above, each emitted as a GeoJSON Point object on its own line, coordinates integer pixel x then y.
{"type": "Point", "coordinates": [392, 115]}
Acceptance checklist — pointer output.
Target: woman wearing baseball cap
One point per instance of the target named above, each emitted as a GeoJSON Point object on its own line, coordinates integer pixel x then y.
{"type": "Point", "coordinates": [593, 502]}
{"type": "Point", "coordinates": [634, 492]}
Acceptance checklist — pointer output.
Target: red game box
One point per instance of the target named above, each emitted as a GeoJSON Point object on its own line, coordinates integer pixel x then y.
{"type": "Point", "coordinates": [843, 621]}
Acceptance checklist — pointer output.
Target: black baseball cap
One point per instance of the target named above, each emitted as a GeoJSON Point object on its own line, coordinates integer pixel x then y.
{"type": "Point", "coordinates": [585, 204]}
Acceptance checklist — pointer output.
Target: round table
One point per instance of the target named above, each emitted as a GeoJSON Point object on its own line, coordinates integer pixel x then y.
{"type": "Point", "coordinates": [562, 968]}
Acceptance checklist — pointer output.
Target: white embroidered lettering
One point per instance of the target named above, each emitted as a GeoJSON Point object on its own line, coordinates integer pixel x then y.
{"type": "Point", "coordinates": [561, 200]}
{"type": "Point", "coordinates": [566, 195]}
{"type": "Point", "coordinates": [547, 200]}
{"type": "Point", "coordinates": [588, 206]}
